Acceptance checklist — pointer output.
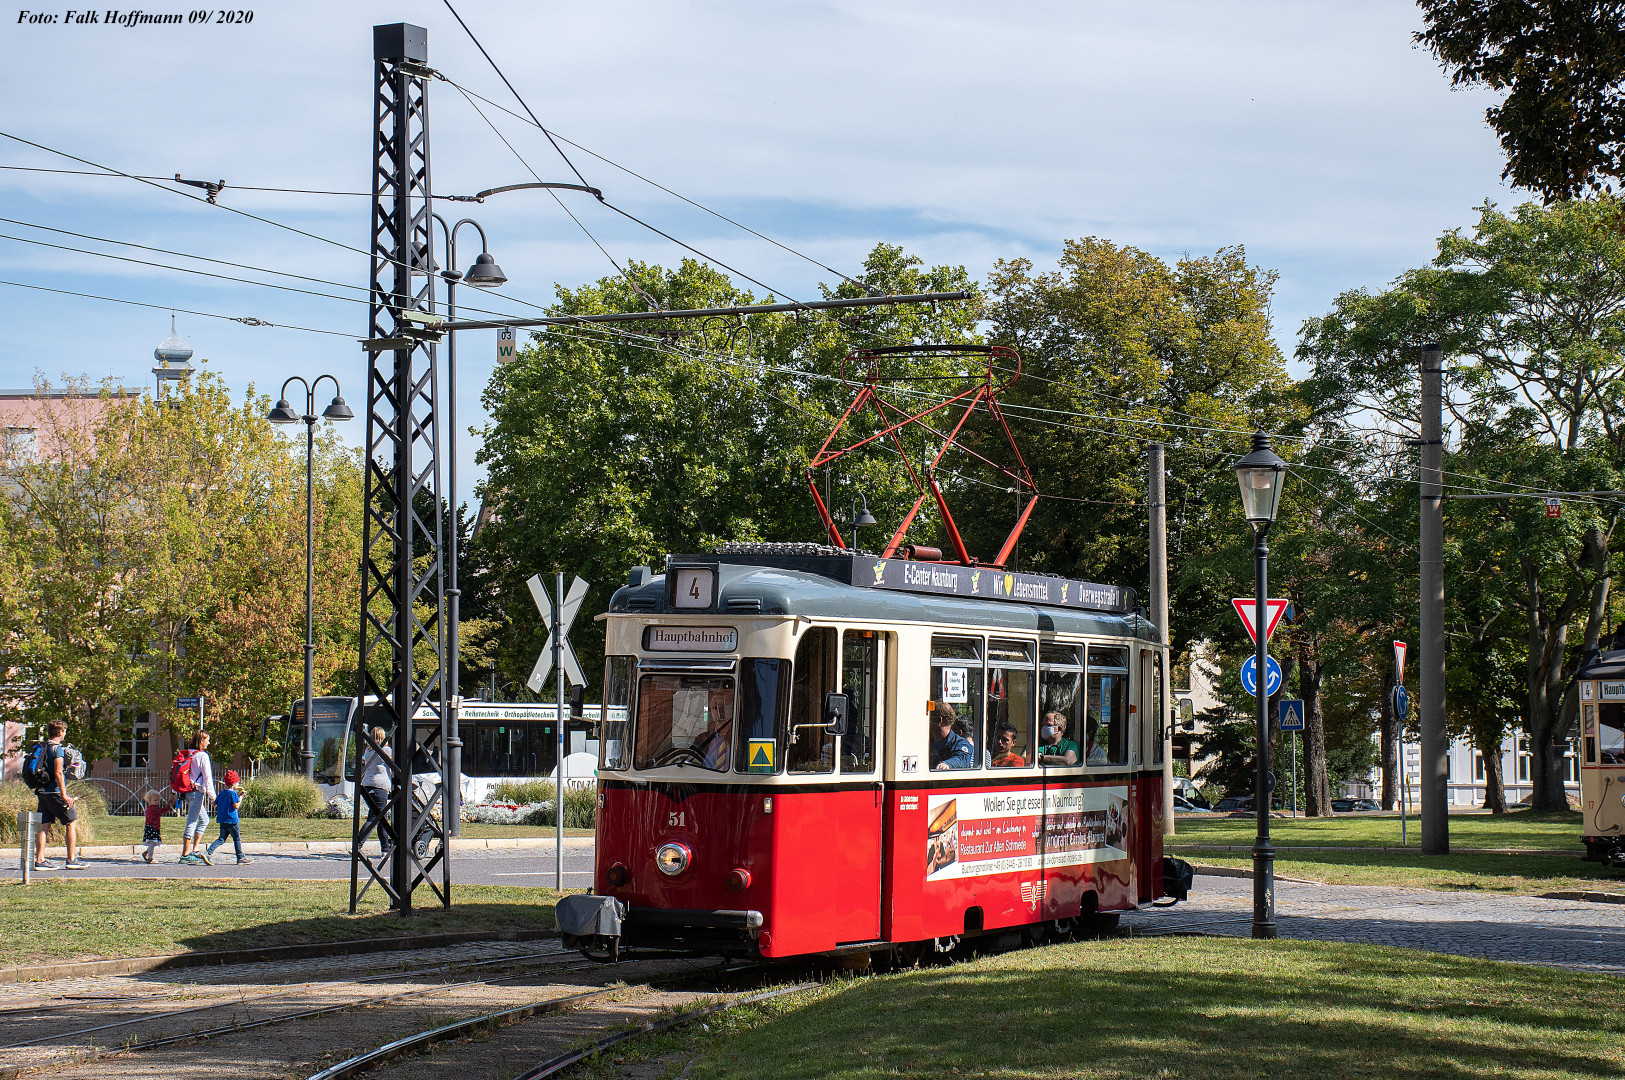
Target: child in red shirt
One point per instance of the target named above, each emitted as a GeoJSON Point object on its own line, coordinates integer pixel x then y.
{"type": "Point", "coordinates": [152, 833]}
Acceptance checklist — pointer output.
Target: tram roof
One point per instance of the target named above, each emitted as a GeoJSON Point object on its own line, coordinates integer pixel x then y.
{"type": "Point", "coordinates": [1602, 665]}
{"type": "Point", "coordinates": [753, 589]}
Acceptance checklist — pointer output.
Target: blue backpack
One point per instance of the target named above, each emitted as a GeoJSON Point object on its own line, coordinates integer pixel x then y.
{"type": "Point", "coordinates": [34, 769]}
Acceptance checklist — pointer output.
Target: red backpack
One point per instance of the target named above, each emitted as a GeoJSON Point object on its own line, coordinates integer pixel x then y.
{"type": "Point", "coordinates": [180, 772]}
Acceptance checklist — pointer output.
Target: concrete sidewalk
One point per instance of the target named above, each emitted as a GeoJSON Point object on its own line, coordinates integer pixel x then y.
{"type": "Point", "coordinates": [323, 847]}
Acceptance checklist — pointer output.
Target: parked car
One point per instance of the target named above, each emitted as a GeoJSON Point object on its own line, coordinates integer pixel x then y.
{"type": "Point", "coordinates": [1183, 805]}
{"type": "Point", "coordinates": [1187, 790]}
{"type": "Point", "coordinates": [1353, 806]}
{"type": "Point", "coordinates": [1232, 804]}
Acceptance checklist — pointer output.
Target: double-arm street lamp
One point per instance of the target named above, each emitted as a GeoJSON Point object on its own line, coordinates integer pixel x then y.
{"type": "Point", "coordinates": [1260, 474]}
{"type": "Point", "coordinates": [283, 414]}
{"type": "Point", "coordinates": [484, 274]}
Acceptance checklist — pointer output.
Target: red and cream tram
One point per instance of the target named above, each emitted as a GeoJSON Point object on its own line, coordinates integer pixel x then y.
{"type": "Point", "coordinates": [1601, 681]}
{"type": "Point", "coordinates": [811, 751]}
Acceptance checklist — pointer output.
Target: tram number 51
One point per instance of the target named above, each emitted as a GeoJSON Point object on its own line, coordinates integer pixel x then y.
{"type": "Point", "coordinates": [677, 820]}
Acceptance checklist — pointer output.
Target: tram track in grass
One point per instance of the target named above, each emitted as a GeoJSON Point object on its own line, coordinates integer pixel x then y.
{"type": "Point", "coordinates": [559, 1063]}
{"type": "Point", "coordinates": [555, 961]}
{"type": "Point", "coordinates": [201, 990]}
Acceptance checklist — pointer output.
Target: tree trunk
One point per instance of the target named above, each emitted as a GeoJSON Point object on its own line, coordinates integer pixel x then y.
{"type": "Point", "coordinates": [1549, 712]}
{"type": "Point", "coordinates": [1495, 790]}
{"type": "Point", "coordinates": [1316, 785]}
{"type": "Point", "coordinates": [1390, 741]}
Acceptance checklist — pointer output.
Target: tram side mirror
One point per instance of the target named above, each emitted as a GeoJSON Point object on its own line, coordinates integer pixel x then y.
{"type": "Point", "coordinates": [837, 707]}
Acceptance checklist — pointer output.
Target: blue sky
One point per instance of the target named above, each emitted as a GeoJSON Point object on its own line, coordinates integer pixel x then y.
{"type": "Point", "coordinates": [1314, 134]}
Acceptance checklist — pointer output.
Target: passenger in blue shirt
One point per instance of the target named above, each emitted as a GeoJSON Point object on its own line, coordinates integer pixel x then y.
{"type": "Point", "coordinates": [949, 749]}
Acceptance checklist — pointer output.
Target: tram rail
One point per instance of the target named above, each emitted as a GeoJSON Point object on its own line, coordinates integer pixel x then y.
{"type": "Point", "coordinates": [556, 960]}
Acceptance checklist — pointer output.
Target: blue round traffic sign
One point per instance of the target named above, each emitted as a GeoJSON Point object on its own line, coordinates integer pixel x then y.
{"type": "Point", "coordinates": [1272, 676]}
{"type": "Point", "coordinates": [1402, 701]}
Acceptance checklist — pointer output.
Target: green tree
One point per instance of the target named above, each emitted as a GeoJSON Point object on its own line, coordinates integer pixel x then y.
{"type": "Point", "coordinates": [1120, 348]}
{"type": "Point", "coordinates": [1561, 65]}
{"type": "Point", "coordinates": [159, 552]}
{"type": "Point", "coordinates": [1530, 309]}
{"type": "Point", "coordinates": [614, 446]}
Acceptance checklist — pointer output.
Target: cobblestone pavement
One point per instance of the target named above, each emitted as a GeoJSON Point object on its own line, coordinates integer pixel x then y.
{"type": "Point", "coordinates": [257, 977]}
{"type": "Point", "coordinates": [1569, 934]}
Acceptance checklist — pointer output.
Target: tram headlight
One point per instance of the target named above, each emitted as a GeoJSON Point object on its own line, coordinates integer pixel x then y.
{"type": "Point", "coordinates": [673, 858]}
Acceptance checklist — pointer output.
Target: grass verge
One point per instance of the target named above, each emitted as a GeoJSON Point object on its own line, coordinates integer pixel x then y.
{"type": "Point", "coordinates": [1521, 875]}
{"type": "Point", "coordinates": [1519, 829]}
{"type": "Point", "coordinates": [1209, 1008]}
{"type": "Point", "coordinates": [127, 830]}
{"type": "Point", "coordinates": [58, 919]}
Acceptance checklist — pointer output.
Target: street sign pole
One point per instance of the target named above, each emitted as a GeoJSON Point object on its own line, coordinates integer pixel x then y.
{"type": "Point", "coordinates": [558, 736]}
{"type": "Point", "coordinates": [1263, 851]}
{"type": "Point", "coordinates": [1294, 774]}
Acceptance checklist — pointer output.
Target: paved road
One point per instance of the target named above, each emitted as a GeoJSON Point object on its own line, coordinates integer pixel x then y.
{"type": "Point", "coordinates": [1571, 934]}
{"type": "Point", "coordinates": [496, 866]}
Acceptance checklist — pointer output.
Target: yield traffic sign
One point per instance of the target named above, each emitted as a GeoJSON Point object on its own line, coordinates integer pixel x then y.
{"type": "Point", "coordinates": [568, 606]}
{"type": "Point", "coordinates": [1399, 661]}
{"type": "Point", "coordinates": [1247, 608]}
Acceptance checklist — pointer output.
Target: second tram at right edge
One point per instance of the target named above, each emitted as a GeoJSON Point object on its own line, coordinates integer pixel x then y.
{"type": "Point", "coordinates": [820, 752]}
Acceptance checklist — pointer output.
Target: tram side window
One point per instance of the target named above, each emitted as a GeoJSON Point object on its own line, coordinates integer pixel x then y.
{"type": "Point", "coordinates": [812, 747]}
{"type": "Point", "coordinates": [1060, 706]}
{"type": "Point", "coordinates": [1010, 702]}
{"type": "Point", "coordinates": [1611, 733]}
{"type": "Point", "coordinates": [617, 711]}
{"type": "Point", "coordinates": [1105, 719]}
{"type": "Point", "coordinates": [863, 662]}
{"type": "Point", "coordinates": [684, 720]}
{"type": "Point", "coordinates": [1159, 723]}
{"type": "Point", "coordinates": [955, 719]}
{"type": "Point", "coordinates": [764, 702]}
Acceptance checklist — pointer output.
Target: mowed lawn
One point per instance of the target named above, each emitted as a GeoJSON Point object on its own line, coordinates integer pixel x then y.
{"type": "Point", "coordinates": [57, 919]}
{"type": "Point", "coordinates": [1558, 831]}
{"type": "Point", "coordinates": [1180, 1008]}
{"type": "Point", "coordinates": [1376, 857]}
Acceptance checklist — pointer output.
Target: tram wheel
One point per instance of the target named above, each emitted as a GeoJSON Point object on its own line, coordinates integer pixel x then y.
{"type": "Point", "coordinates": [910, 955]}
{"type": "Point", "coordinates": [1102, 924]}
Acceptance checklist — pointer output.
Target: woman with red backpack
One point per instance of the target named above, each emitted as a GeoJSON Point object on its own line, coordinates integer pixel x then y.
{"type": "Point", "coordinates": [193, 778]}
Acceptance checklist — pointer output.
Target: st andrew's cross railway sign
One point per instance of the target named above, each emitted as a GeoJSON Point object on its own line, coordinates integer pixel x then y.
{"type": "Point", "coordinates": [569, 604]}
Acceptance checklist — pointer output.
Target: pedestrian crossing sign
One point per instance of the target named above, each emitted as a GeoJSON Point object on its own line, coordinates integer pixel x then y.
{"type": "Point", "coordinates": [761, 754]}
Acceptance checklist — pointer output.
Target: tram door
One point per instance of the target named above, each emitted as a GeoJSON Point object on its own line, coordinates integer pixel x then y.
{"type": "Point", "coordinates": [1149, 743]}
{"type": "Point", "coordinates": [863, 681]}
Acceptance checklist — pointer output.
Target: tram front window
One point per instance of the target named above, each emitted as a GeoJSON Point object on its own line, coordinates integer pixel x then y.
{"type": "Point", "coordinates": [684, 720]}
{"type": "Point", "coordinates": [764, 700]}
{"type": "Point", "coordinates": [617, 710]}
{"type": "Point", "coordinates": [1611, 732]}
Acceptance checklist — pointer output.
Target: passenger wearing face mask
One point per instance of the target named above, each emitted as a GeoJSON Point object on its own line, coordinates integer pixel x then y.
{"type": "Point", "coordinates": [1054, 748]}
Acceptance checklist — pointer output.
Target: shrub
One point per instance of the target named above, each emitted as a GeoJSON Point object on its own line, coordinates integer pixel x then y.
{"type": "Point", "coordinates": [534, 798]}
{"type": "Point", "coordinates": [15, 795]}
{"type": "Point", "coordinates": [521, 792]}
{"type": "Point", "coordinates": [284, 795]}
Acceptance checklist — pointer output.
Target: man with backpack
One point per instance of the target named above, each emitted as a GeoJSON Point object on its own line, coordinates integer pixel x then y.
{"type": "Point", "coordinates": [48, 763]}
{"type": "Point", "coordinates": [192, 778]}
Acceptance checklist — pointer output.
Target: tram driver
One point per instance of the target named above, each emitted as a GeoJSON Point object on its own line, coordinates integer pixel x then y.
{"type": "Point", "coordinates": [949, 749]}
{"type": "Point", "coordinates": [712, 744]}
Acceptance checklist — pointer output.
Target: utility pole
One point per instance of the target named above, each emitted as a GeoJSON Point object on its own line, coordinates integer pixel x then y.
{"type": "Point", "coordinates": [403, 602]}
{"type": "Point", "coordinates": [1156, 489]}
{"type": "Point", "coordinates": [1435, 743]}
